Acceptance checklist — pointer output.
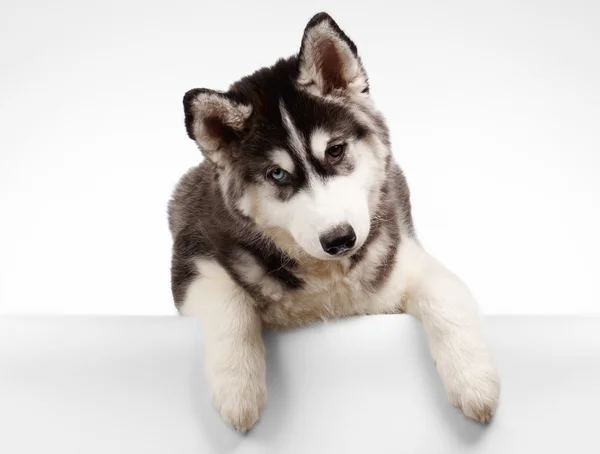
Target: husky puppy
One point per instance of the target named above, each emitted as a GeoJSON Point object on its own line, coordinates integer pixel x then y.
{"type": "Point", "coordinates": [298, 213]}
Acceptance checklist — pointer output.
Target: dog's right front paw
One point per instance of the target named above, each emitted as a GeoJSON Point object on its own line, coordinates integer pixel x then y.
{"type": "Point", "coordinates": [239, 401]}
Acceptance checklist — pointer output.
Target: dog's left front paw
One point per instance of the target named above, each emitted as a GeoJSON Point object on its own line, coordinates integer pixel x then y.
{"type": "Point", "coordinates": [239, 399]}
{"type": "Point", "coordinates": [476, 392]}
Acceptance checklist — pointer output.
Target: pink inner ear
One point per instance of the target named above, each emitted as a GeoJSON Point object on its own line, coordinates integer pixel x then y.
{"type": "Point", "coordinates": [330, 65]}
{"type": "Point", "coordinates": [217, 130]}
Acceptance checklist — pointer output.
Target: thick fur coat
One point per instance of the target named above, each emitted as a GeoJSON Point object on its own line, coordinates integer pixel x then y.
{"type": "Point", "coordinates": [299, 213]}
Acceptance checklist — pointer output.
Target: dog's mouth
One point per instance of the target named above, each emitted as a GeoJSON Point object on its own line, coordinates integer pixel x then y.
{"type": "Point", "coordinates": [342, 252]}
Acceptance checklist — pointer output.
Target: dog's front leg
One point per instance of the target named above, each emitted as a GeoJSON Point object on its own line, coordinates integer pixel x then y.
{"type": "Point", "coordinates": [235, 356]}
{"type": "Point", "coordinates": [451, 320]}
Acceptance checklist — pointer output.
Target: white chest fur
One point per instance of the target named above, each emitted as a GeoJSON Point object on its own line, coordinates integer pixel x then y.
{"type": "Point", "coordinates": [333, 289]}
{"type": "Point", "coordinates": [330, 289]}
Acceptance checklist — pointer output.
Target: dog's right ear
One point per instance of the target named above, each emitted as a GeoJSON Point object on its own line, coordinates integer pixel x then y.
{"type": "Point", "coordinates": [214, 120]}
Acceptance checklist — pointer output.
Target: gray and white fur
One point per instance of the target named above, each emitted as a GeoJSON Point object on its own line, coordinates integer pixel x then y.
{"type": "Point", "coordinates": [299, 213]}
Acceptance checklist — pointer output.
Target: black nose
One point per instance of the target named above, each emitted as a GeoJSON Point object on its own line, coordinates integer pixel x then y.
{"type": "Point", "coordinates": [338, 240]}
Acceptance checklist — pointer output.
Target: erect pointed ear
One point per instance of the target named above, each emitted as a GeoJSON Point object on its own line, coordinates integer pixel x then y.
{"type": "Point", "coordinates": [214, 120]}
{"type": "Point", "coordinates": [329, 61]}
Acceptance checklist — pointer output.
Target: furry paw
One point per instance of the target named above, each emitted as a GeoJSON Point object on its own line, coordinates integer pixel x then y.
{"type": "Point", "coordinates": [239, 401]}
{"type": "Point", "coordinates": [476, 393]}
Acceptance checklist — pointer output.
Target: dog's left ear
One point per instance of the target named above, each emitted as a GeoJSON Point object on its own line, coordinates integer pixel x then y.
{"type": "Point", "coordinates": [328, 60]}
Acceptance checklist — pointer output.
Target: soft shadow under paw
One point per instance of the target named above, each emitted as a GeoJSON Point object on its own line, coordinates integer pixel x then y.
{"type": "Point", "coordinates": [277, 410]}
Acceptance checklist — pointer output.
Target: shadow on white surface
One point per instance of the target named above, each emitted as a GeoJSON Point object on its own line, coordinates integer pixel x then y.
{"type": "Point", "coordinates": [130, 385]}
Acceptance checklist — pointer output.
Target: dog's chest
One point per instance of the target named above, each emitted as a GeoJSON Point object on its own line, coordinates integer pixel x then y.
{"type": "Point", "coordinates": [329, 290]}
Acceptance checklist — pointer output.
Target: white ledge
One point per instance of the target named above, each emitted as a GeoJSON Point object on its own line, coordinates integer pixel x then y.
{"type": "Point", "coordinates": [363, 385]}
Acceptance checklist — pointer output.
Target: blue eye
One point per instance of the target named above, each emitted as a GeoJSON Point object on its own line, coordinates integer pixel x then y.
{"type": "Point", "coordinates": [279, 175]}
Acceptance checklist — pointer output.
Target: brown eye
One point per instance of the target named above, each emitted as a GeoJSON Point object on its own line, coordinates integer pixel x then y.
{"type": "Point", "coordinates": [336, 152]}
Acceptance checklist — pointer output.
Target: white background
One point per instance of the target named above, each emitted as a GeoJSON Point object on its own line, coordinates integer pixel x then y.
{"type": "Point", "coordinates": [494, 109]}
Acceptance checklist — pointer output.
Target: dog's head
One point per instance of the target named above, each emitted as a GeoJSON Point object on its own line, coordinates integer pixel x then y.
{"type": "Point", "coordinates": [299, 146]}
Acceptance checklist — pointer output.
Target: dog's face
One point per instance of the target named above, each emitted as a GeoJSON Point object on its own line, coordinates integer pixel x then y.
{"type": "Point", "coordinates": [299, 146]}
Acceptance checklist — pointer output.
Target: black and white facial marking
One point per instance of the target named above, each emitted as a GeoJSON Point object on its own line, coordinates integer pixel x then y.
{"type": "Point", "coordinates": [299, 147]}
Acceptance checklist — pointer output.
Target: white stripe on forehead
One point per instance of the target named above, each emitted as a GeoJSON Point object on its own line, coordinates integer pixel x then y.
{"type": "Point", "coordinates": [295, 140]}
{"type": "Point", "coordinates": [318, 143]}
{"type": "Point", "coordinates": [283, 159]}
